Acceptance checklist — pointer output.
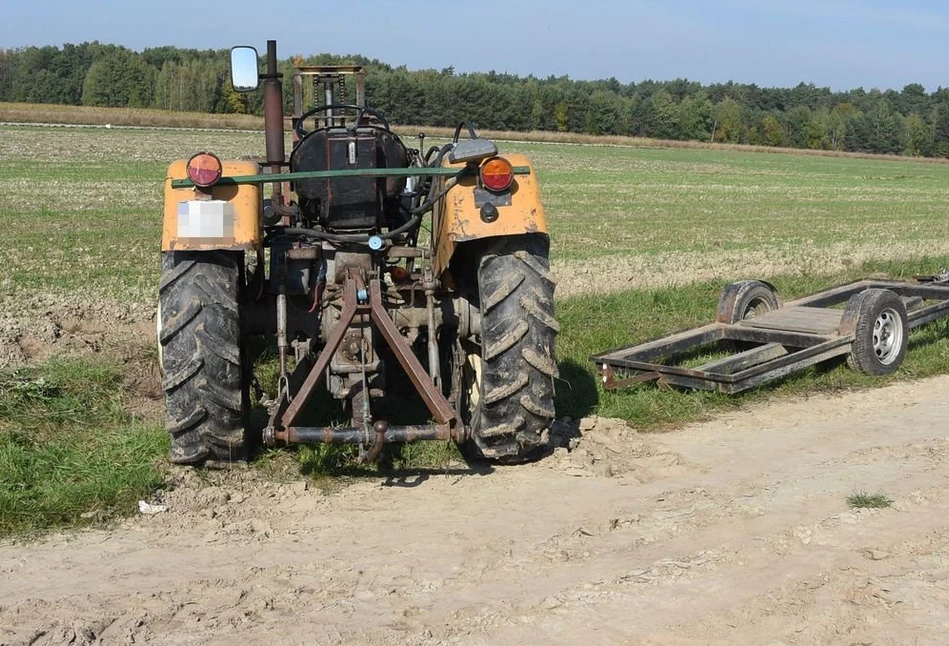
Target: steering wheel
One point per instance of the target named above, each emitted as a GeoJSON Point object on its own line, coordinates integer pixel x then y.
{"type": "Point", "coordinates": [360, 111]}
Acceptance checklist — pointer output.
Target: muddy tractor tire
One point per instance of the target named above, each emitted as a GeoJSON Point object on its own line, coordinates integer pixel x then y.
{"type": "Point", "coordinates": [508, 397]}
{"type": "Point", "coordinates": [746, 299]}
{"type": "Point", "coordinates": [877, 319]}
{"type": "Point", "coordinates": [199, 333]}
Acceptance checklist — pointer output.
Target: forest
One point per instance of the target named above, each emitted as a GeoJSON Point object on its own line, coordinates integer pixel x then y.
{"type": "Point", "coordinates": [907, 122]}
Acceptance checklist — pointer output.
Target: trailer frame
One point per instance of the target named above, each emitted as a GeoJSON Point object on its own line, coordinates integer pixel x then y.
{"type": "Point", "coordinates": [795, 336]}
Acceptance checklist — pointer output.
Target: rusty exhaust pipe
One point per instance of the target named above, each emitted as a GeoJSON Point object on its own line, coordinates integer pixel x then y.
{"type": "Point", "coordinates": [273, 109]}
{"type": "Point", "coordinates": [273, 118]}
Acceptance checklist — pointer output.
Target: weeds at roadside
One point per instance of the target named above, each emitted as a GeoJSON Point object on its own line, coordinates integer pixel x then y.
{"type": "Point", "coordinates": [864, 500]}
{"type": "Point", "coordinates": [69, 454]}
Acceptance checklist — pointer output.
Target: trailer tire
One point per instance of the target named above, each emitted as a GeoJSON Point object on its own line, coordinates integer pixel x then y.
{"type": "Point", "coordinates": [877, 319]}
{"type": "Point", "coordinates": [508, 380]}
{"type": "Point", "coordinates": [202, 355]}
{"type": "Point", "coordinates": [746, 299]}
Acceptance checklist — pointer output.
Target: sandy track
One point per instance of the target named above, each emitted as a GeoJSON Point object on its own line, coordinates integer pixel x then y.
{"type": "Point", "coordinates": [734, 531]}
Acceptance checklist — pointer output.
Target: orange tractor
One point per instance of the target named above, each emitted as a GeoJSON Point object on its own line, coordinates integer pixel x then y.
{"type": "Point", "coordinates": [369, 262]}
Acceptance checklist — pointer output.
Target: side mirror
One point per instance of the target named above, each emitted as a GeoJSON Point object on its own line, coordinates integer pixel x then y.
{"type": "Point", "coordinates": [470, 150]}
{"type": "Point", "coordinates": [245, 75]}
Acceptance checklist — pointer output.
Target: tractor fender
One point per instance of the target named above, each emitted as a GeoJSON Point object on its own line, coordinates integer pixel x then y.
{"type": "Point", "coordinates": [460, 218]}
{"type": "Point", "coordinates": [231, 219]}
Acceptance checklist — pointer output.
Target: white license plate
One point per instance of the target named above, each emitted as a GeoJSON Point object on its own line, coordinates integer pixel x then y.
{"type": "Point", "coordinates": [205, 219]}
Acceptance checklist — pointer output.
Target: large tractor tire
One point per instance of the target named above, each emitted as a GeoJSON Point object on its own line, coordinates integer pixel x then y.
{"type": "Point", "coordinates": [199, 333]}
{"type": "Point", "coordinates": [509, 379]}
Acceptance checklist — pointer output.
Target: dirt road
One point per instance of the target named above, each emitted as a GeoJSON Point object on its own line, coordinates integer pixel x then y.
{"type": "Point", "coordinates": [733, 531]}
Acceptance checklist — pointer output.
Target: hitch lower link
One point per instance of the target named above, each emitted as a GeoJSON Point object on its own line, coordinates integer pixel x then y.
{"type": "Point", "coordinates": [281, 428]}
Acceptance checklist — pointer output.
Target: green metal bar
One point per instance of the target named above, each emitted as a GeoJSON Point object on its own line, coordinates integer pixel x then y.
{"type": "Point", "coordinates": [329, 174]}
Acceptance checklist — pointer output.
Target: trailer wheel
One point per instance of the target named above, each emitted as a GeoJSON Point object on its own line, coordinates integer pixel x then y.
{"type": "Point", "coordinates": [201, 354]}
{"type": "Point", "coordinates": [745, 300]}
{"type": "Point", "coordinates": [877, 319]}
{"type": "Point", "coordinates": [508, 380]}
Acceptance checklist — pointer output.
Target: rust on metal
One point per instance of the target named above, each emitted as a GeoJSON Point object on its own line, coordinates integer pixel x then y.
{"type": "Point", "coordinates": [433, 399]}
{"type": "Point", "coordinates": [281, 425]}
{"type": "Point", "coordinates": [303, 253]}
{"type": "Point", "coordinates": [273, 121]}
{"type": "Point", "coordinates": [372, 454]}
{"type": "Point", "coordinates": [327, 435]}
{"type": "Point", "coordinates": [273, 110]}
{"type": "Point", "coordinates": [610, 382]}
{"type": "Point", "coordinates": [332, 343]}
{"type": "Point", "coordinates": [407, 252]}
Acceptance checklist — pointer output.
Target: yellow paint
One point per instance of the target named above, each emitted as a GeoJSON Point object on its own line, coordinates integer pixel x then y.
{"type": "Point", "coordinates": [459, 220]}
{"type": "Point", "coordinates": [246, 200]}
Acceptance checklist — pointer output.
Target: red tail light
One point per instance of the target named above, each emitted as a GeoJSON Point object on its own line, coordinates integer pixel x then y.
{"type": "Point", "coordinates": [205, 169]}
{"type": "Point", "coordinates": [497, 174]}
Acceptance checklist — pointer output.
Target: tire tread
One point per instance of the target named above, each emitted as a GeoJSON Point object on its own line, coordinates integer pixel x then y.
{"type": "Point", "coordinates": [518, 361]}
{"type": "Point", "coordinates": [201, 340]}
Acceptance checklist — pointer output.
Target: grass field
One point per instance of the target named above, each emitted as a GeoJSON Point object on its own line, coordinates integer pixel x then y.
{"type": "Point", "coordinates": [643, 240]}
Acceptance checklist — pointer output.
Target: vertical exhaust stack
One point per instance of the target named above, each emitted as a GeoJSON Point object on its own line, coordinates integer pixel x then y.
{"type": "Point", "coordinates": [273, 118]}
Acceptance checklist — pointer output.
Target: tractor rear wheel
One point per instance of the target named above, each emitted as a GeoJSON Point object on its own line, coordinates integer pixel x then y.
{"type": "Point", "coordinates": [199, 332]}
{"type": "Point", "coordinates": [508, 384]}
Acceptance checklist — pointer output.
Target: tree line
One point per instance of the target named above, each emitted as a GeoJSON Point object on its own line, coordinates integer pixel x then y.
{"type": "Point", "coordinates": [906, 122]}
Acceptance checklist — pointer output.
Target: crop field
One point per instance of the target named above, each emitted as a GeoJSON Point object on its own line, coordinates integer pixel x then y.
{"type": "Point", "coordinates": [81, 209]}
{"type": "Point", "coordinates": [660, 217]}
{"type": "Point", "coordinates": [643, 239]}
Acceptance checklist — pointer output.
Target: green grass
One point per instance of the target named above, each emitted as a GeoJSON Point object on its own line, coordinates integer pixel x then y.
{"type": "Point", "coordinates": [864, 500]}
{"type": "Point", "coordinates": [69, 453]}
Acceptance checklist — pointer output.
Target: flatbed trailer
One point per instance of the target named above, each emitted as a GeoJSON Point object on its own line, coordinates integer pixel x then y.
{"type": "Point", "coordinates": [762, 340]}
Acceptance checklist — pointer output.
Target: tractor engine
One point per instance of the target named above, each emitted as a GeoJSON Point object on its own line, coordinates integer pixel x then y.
{"type": "Point", "coordinates": [350, 203]}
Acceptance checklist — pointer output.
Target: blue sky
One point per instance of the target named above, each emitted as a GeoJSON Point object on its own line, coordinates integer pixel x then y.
{"type": "Point", "coordinates": [841, 44]}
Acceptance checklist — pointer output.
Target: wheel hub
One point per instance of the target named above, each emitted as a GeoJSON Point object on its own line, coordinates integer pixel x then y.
{"type": "Point", "coordinates": [755, 307]}
{"type": "Point", "coordinates": [887, 336]}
